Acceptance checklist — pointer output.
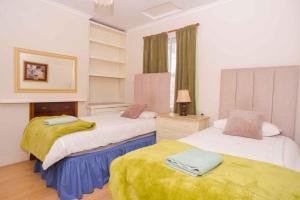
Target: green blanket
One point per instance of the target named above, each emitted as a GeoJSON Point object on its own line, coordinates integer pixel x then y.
{"type": "Point", "coordinates": [143, 175]}
{"type": "Point", "coordinates": [38, 138]}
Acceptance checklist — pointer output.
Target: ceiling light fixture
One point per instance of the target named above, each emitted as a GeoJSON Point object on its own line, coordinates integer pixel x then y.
{"type": "Point", "coordinates": [104, 2]}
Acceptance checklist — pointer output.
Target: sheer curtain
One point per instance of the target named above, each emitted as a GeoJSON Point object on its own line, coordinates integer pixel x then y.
{"type": "Point", "coordinates": [172, 66]}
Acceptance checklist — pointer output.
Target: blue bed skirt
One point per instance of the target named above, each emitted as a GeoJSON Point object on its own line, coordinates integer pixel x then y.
{"type": "Point", "coordinates": [74, 176]}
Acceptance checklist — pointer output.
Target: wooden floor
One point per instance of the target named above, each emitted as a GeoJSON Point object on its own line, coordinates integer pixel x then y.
{"type": "Point", "coordinates": [19, 182]}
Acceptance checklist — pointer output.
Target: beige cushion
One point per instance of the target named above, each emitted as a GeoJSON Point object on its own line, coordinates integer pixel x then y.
{"type": "Point", "coordinates": [245, 124]}
{"type": "Point", "coordinates": [134, 111]}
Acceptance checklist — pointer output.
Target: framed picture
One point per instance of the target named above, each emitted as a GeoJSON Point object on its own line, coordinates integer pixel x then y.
{"type": "Point", "coordinates": [35, 71]}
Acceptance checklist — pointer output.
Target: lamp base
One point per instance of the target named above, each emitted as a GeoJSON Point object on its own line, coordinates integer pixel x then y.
{"type": "Point", "coordinates": [183, 109]}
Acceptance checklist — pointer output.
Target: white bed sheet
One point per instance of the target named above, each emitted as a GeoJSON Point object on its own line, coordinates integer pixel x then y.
{"type": "Point", "coordinates": [109, 129]}
{"type": "Point", "coordinates": [279, 150]}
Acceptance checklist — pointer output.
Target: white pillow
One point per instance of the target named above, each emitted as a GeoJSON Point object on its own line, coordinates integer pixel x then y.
{"type": "Point", "coordinates": [220, 124]}
{"type": "Point", "coordinates": [148, 115]}
{"type": "Point", "coordinates": [268, 129]}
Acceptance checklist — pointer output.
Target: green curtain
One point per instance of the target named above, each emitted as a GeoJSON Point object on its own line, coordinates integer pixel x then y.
{"type": "Point", "coordinates": [186, 65]}
{"type": "Point", "coordinates": [156, 53]}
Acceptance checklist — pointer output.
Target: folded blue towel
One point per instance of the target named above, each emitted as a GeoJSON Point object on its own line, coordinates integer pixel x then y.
{"type": "Point", "coordinates": [194, 162]}
{"type": "Point", "coordinates": [60, 120]}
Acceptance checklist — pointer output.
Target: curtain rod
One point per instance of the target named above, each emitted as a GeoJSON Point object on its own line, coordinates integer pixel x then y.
{"type": "Point", "coordinates": [173, 30]}
{"type": "Point", "coordinates": [170, 31]}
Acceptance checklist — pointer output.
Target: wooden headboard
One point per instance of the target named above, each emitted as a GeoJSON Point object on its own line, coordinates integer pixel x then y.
{"type": "Point", "coordinates": [154, 90]}
{"type": "Point", "coordinates": [53, 109]}
{"type": "Point", "coordinates": [271, 91]}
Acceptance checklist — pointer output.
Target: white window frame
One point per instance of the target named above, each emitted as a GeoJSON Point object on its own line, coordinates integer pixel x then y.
{"type": "Point", "coordinates": [172, 66]}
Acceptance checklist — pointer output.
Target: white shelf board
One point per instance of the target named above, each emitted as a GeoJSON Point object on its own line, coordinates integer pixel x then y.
{"type": "Point", "coordinates": [108, 105]}
{"type": "Point", "coordinates": [106, 43]}
{"type": "Point", "coordinates": [107, 76]}
{"type": "Point", "coordinates": [107, 60]}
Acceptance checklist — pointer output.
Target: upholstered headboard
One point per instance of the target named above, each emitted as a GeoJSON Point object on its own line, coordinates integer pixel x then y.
{"type": "Point", "coordinates": [154, 90]}
{"type": "Point", "coordinates": [271, 91]}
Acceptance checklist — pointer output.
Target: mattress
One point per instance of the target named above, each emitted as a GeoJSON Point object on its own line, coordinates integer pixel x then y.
{"type": "Point", "coordinates": [112, 145]}
{"type": "Point", "coordinates": [279, 150]}
{"type": "Point", "coordinates": [109, 129]}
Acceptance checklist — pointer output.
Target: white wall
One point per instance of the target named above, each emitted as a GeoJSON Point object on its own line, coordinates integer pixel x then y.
{"type": "Point", "coordinates": [37, 25]}
{"type": "Point", "coordinates": [13, 119]}
{"type": "Point", "coordinates": [232, 34]}
{"type": "Point", "coordinates": [55, 68]}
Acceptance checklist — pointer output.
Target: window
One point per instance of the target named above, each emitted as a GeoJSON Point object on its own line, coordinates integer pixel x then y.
{"type": "Point", "coordinates": [172, 66]}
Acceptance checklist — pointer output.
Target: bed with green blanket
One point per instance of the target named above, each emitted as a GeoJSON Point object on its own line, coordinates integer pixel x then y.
{"type": "Point", "coordinates": [143, 175]}
{"type": "Point", "coordinates": [39, 137]}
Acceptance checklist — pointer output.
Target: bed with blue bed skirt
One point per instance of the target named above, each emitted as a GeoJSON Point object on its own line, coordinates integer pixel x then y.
{"type": "Point", "coordinates": [81, 173]}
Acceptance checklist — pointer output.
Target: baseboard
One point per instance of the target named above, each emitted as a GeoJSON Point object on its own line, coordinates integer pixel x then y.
{"type": "Point", "coordinates": [11, 159]}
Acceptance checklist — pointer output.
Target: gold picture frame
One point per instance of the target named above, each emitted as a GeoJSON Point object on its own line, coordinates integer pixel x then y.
{"type": "Point", "coordinates": [20, 77]}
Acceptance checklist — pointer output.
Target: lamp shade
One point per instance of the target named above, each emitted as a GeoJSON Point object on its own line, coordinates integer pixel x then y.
{"type": "Point", "coordinates": [183, 96]}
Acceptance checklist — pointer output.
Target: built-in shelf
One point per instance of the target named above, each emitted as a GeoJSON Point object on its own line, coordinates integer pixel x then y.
{"type": "Point", "coordinates": [107, 68]}
{"type": "Point", "coordinates": [101, 42]}
{"type": "Point", "coordinates": [107, 108]}
{"type": "Point", "coordinates": [107, 60]}
{"type": "Point", "coordinates": [107, 76]}
{"type": "Point", "coordinates": [108, 28]}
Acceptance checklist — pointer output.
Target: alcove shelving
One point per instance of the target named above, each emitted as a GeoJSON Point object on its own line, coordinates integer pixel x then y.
{"type": "Point", "coordinates": [107, 72]}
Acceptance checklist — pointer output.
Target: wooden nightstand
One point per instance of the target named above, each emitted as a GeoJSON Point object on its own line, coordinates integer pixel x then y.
{"type": "Point", "coordinates": [173, 126]}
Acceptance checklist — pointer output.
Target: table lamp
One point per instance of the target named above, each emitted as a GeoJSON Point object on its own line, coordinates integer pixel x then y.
{"type": "Point", "coordinates": [183, 98]}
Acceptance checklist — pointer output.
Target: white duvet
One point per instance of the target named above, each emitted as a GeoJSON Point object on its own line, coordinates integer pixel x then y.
{"type": "Point", "coordinates": [279, 150]}
{"type": "Point", "coordinates": [109, 129]}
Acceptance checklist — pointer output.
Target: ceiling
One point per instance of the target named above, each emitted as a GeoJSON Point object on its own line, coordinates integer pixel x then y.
{"type": "Point", "coordinates": [128, 13]}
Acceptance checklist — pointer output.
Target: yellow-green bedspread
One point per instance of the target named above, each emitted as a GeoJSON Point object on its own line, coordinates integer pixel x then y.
{"type": "Point", "coordinates": [38, 138]}
{"type": "Point", "coordinates": [142, 175]}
